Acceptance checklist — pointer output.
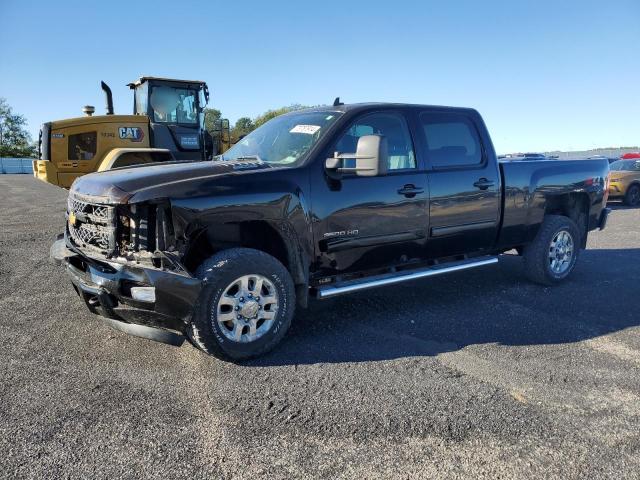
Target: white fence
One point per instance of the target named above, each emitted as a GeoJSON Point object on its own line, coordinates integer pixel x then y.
{"type": "Point", "coordinates": [16, 165]}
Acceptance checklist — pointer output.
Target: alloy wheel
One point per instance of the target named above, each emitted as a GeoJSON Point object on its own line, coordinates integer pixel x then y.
{"type": "Point", "coordinates": [561, 252]}
{"type": "Point", "coordinates": [247, 308]}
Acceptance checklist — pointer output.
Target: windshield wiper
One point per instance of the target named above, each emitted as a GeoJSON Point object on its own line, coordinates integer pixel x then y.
{"type": "Point", "coordinates": [249, 157]}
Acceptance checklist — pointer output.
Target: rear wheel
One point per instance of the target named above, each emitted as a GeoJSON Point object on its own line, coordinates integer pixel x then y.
{"type": "Point", "coordinates": [632, 197]}
{"type": "Point", "coordinates": [246, 305]}
{"type": "Point", "coordinates": [551, 257]}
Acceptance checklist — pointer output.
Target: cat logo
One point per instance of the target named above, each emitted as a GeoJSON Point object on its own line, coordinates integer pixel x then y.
{"type": "Point", "coordinates": [135, 134]}
{"type": "Point", "coordinates": [72, 219]}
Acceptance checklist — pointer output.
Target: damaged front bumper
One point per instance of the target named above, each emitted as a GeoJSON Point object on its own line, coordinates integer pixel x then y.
{"type": "Point", "coordinates": [147, 302]}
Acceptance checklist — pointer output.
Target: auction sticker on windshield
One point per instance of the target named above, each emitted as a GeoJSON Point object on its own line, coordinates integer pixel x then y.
{"type": "Point", "coordinates": [308, 129]}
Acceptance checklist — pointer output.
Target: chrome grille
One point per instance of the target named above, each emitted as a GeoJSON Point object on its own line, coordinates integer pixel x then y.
{"type": "Point", "coordinates": [100, 214]}
{"type": "Point", "coordinates": [76, 206]}
{"type": "Point", "coordinates": [88, 234]}
{"type": "Point", "coordinates": [93, 226]}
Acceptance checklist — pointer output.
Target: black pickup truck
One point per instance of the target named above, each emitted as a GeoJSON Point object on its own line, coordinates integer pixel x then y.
{"type": "Point", "coordinates": [318, 203]}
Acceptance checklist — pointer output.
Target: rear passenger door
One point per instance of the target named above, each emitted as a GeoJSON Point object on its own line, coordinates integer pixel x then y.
{"type": "Point", "coordinates": [464, 183]}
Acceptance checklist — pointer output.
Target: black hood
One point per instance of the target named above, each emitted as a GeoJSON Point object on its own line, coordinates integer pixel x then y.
{"type": "Point", "coordinates": [156, 181]}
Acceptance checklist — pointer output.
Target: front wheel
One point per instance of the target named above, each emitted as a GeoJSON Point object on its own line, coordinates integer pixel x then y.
{"type": "Point", "coordinates": [632, 197]}
{"type": "Point", "coordinates": [552, 256]}
{"type": "Point", "coordinates": [246, 305]}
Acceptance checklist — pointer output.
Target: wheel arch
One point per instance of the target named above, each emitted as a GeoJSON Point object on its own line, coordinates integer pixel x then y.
{"type": "Point", "coordinates": [633, 183]}
{"type": "Point", "coordinates": [277, 239]}
{"type": "Point", "coordinates": [574, 205]}
{"type": "Point", "coordinates": [626, 197]}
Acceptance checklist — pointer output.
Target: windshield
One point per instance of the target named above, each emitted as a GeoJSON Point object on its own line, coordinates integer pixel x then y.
{"type": "Point", "coordinates": [174, 105]}
{"type": "Point", "coordinates": [626, 165]}
{"type": "Point", "coordinates": [282, 140]}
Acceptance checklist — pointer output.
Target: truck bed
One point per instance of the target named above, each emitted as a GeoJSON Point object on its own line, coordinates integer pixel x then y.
{"type": "Point", "coordinates": [533, 187]}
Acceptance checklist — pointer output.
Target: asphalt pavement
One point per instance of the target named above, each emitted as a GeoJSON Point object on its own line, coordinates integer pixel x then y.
{"type": "Point", "coordinates": [477, 374]}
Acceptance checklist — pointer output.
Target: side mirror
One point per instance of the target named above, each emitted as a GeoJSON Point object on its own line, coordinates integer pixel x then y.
{"type": "Point", "coordinates": [371, 158]}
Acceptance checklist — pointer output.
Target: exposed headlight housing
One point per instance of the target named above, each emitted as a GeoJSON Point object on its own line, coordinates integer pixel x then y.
{"type": "Point", "coordinates": [144, 294]}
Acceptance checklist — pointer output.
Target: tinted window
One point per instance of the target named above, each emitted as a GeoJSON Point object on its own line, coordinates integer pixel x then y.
{"type": "Point", "coordinates": [173, 105]}
{"type": "Point", "coordinates": [82, 146]}
{"type": "Point", "coordinates": [390, 125]}
{"type": "Point", "coordinates": [626, 165]}
{"type": "Point", "coordinates": [452, 140]}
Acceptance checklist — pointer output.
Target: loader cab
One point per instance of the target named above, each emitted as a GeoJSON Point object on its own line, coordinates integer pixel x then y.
{"type": "Point", "coordinates": [175, 109]}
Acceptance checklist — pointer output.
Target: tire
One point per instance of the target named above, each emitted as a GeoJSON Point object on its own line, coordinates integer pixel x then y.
{"type": "Point", "coordinates": [632, 197]}
{"type": "Point", "coordinates": [230, 284]}
{"type": "Point", "coordinates": [538, 260]}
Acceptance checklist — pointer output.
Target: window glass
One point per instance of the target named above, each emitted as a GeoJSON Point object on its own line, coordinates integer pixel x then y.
{"type": "Point", "coordinates": [283, 140]}
{"type": "Point", "coordinates": [390, 125]}
{"type": "Point", "coordinates": [174, 105]}
{"type": "Point", "coordinates": [625, 165]}
{"type": "Point", "coordinates": [141, 93]}
{"type": "Point", "coordinates": [82, 146]}
{"type": "Point", "coordinates": [452, 140]}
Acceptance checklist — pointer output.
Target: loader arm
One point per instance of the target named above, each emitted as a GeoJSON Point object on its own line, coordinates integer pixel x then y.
{"type": "Point", "coordinates": [126, 157]}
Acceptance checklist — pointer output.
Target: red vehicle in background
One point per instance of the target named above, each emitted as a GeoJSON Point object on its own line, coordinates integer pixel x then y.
{"type": "Point", "coordinates": [629, 156]}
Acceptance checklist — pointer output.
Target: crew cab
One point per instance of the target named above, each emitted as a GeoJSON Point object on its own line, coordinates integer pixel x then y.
{"type": "Point", "coordinates": [316, 203]}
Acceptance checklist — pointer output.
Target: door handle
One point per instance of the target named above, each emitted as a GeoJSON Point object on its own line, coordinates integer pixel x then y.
{"type": "Point", "coordinates": [410, 190]}
{"type": "Point", "coordinates": [483, 184]}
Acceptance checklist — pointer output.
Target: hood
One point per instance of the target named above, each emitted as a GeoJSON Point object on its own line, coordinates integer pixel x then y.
{"type": "Point", "coordinates": [146, 182]}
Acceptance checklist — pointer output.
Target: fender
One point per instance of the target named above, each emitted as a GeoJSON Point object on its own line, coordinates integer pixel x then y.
{"type": "Point", "coordinates": [232, 208]}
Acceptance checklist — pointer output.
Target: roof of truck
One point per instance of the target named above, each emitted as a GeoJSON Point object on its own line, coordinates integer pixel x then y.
{"type": "Point", "coordinates": [163, 79]}
{"type": "Point", "coordinates": [347, 107]}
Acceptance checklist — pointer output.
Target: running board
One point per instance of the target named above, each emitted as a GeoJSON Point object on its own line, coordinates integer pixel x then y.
{"type": "Point", "coordinates": [393, 278]}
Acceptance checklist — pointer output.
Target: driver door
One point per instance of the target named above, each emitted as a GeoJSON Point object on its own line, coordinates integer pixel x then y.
{"type": "Point", "coordinates": [371, 222]}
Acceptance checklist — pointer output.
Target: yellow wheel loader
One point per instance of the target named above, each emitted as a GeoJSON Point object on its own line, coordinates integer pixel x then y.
{"type": "Point", "coordinates": [167, 124]}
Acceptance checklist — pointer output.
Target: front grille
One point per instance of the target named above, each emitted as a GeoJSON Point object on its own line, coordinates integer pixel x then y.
{"type": "Point", "coordinates": [94, 225]}
{"type": "Point", "coordinates": [131, 231]}
{"type": "Point", "coordinates": [87, 234]}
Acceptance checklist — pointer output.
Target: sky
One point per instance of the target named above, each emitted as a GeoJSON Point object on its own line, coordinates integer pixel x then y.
{"type": "Point", "coordinates": [545, 75]}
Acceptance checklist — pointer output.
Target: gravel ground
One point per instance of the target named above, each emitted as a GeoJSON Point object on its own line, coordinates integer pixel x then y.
{"type": "Point", "coordinates": [478, 374]}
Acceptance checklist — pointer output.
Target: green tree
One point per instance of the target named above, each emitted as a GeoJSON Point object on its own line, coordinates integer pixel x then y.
{"type": "Point", "coordinates": [211, 118]}
{"type": "Point", "coordinates": [213, 123]}
{"type": "Point", "coordinates": [15, 140]}
{"type": "Point", "coordinates": [269, 114]}
{"type": "Point", "coordinates": [243, 126]}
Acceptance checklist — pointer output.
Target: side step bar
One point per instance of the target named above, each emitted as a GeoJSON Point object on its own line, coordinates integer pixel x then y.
{"type": "Point", "coordinates": [393, 278]}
